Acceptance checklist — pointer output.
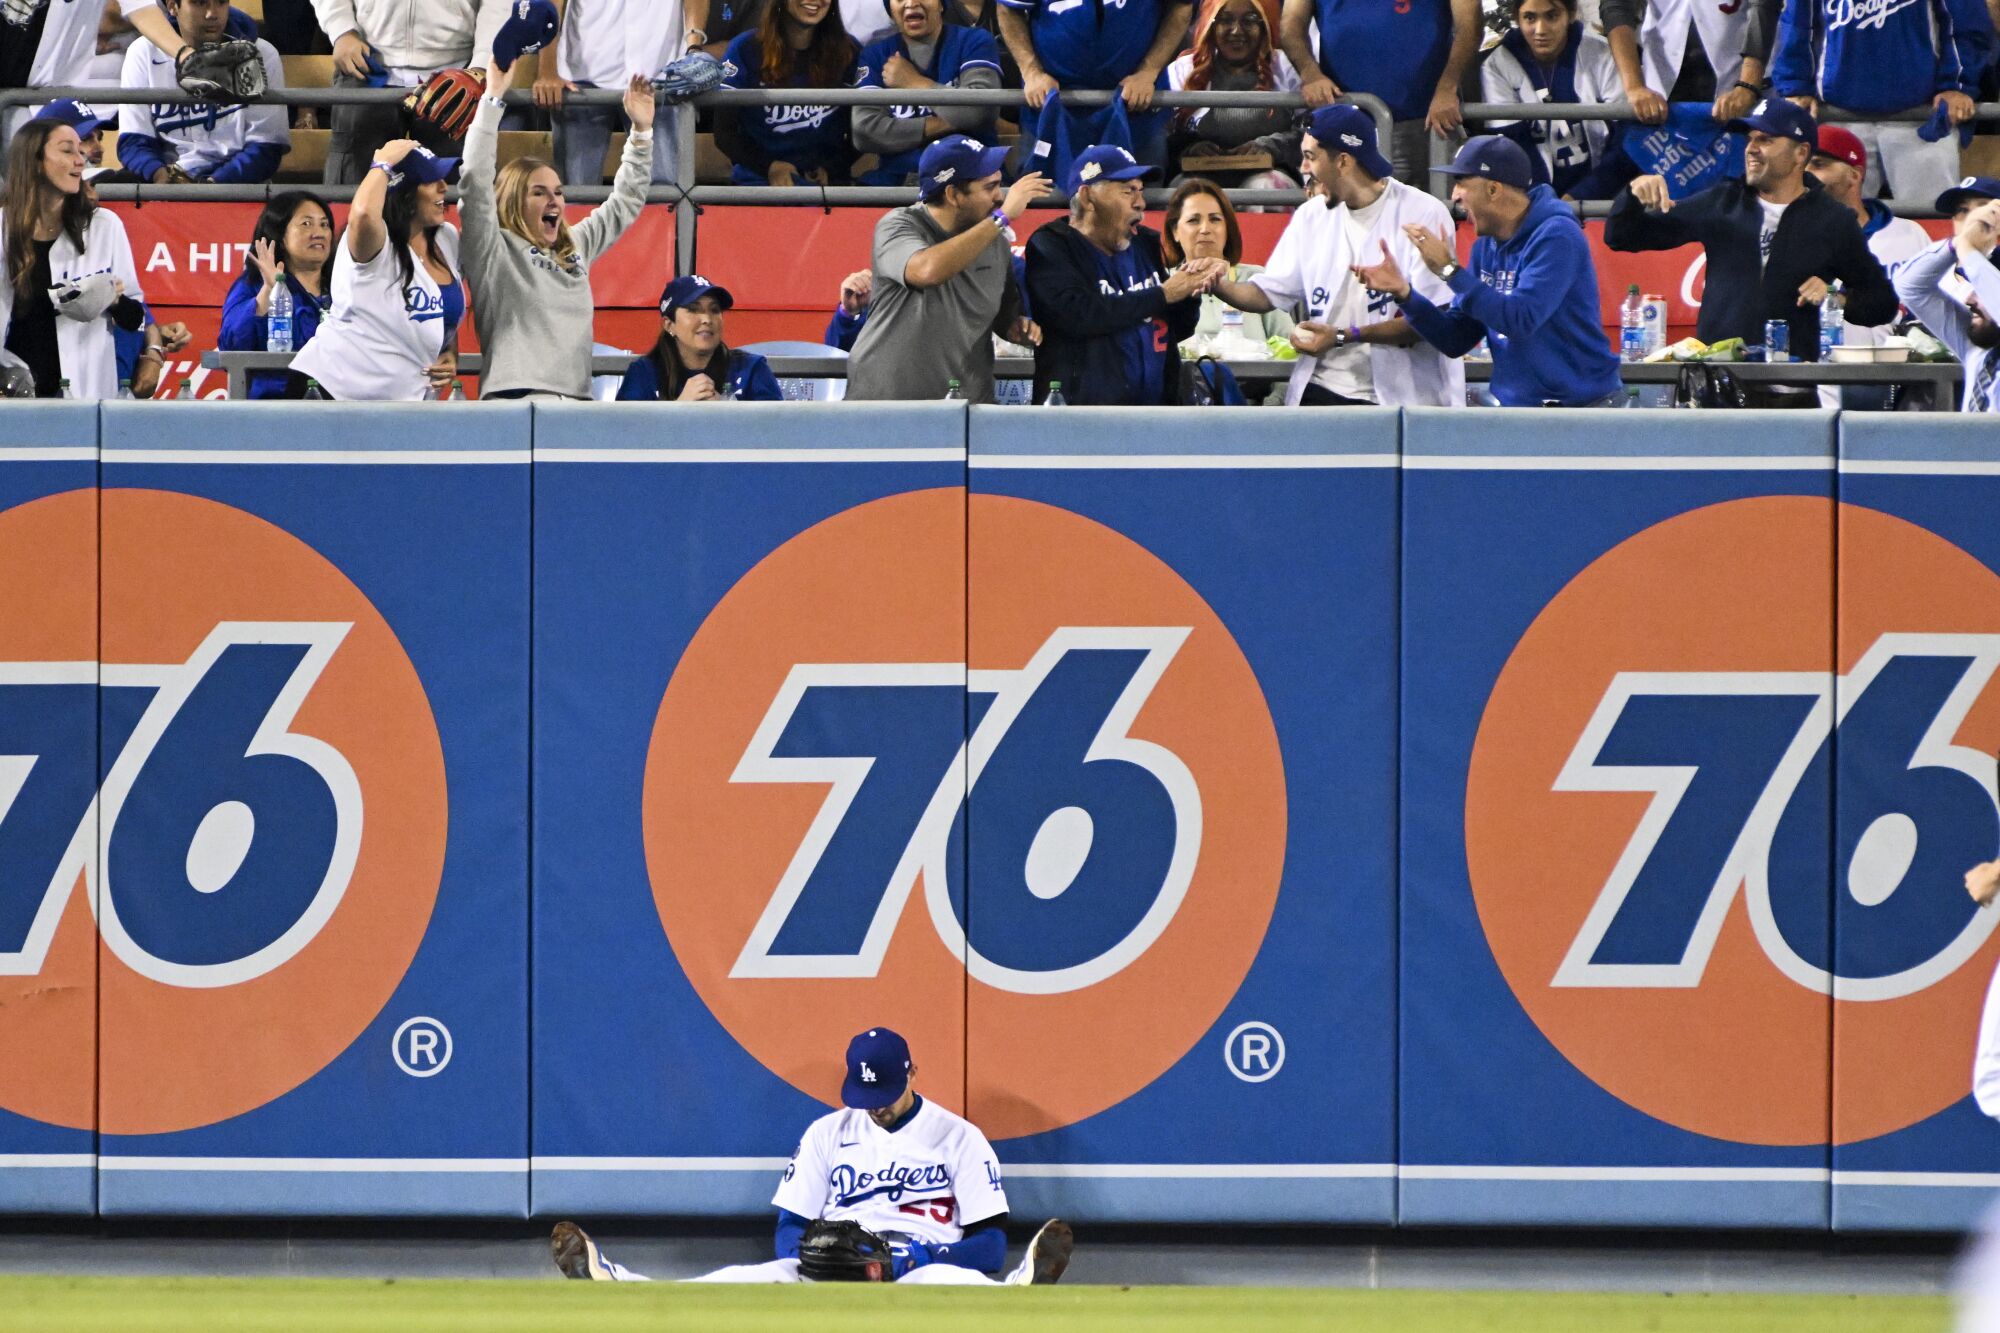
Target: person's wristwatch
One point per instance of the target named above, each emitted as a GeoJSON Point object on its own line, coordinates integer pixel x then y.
{"type": "Point", "coordinates": [1450, 267]}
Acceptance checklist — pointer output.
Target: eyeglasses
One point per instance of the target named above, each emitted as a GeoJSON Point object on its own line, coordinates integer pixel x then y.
{"type": "Point", "coordinates": [1247, 21]}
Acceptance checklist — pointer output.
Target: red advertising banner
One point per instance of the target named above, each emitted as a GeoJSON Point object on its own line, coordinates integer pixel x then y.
{"type": "Point", "coordinates": [782, 265]}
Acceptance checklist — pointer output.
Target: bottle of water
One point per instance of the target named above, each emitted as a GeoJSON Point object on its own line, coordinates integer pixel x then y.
{"type": "Point", "coordinates": [278, 324]}
{"type": "Point", "coordinates": [1230, 339]}
{"type": "Point", "coordinates": [457, 392]}
{"type": "Point", "coordinates": [1632, 326]}
{"type": "Point", "coordinates": [63, 390]}
{"type": "Point", "coordinates": [125, 389]}
{"type": "Point", "coordinates": [313, 392]}
{"type": "Point", "coordinates": [1832, 311]}
{"type": "Point", "coordinates": [1055, 398]}
{"type": "Point", "coordinates": [952, 392]}
{"type": "Point", "coordinates": [186, 392]}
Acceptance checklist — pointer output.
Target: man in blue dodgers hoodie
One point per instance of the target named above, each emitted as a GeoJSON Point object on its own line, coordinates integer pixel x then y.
{"type": "Point", "coordinates": [1530, 289]}
{"type": "Point", "coordinates": [1878, 57]}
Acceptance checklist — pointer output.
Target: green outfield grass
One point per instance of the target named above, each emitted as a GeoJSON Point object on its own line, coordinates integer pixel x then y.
{"type": "Point", "coordinates": [125, 1305]}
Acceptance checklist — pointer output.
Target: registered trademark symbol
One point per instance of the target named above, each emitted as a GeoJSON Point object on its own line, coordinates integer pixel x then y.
{"type": "Point", "coordinates": [1254, 1052]}
{"type": "Point", "coordinates": [422, 1047]}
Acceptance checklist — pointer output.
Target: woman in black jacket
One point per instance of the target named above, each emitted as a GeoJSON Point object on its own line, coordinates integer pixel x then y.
{"type": "Point", "coordinates": [1112, 313]}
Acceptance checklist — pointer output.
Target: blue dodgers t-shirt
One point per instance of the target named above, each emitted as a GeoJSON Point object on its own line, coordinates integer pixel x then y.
{"type": "Point", "coordinates": [805, 136]}
{"type": "Point", "coordinates": [1395, 49]}
{"type": "Point", "coordinates": [958, 49]}
{"type": "Point", "coordinates": [1144, 345]}
{"type": "Point", "coordinates": [1093, 43]}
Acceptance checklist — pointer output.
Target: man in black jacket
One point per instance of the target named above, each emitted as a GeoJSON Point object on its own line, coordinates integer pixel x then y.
{"type": "Point", "coordinates": [1112, 313]}
{"type": "Point", "coordinates": [1775, 240]}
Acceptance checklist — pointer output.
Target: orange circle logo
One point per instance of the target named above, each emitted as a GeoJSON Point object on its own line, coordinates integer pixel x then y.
{"type": "Point", "coordinates": [1054, 841]}
{"type": "Point", "coordinates": [1654, 822]}
{"type": "Point", "coordinates": [249, 876]}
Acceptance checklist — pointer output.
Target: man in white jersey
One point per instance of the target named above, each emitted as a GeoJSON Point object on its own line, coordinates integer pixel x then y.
{"type": "Point", "coordinates": [59, 40]}
{"type": "Point", "coordinates": [1356, 348]}
{"type": "Point", "coordinates": [903, 1167]}
{"type": "Point", "coordinates": [205, 141]}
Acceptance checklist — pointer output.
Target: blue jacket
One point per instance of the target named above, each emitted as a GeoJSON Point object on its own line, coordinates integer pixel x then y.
{"type": "Point", "coordinates": [756, 136]}
{"type": "Point", "coordinates": [749, 373]}
{"type": "Point", "coordinates": [1094, 43]}
{"type": "Point", "coordinates": [1880, 58]}
{"type": "Point", "coordinates": [1397, 51]}
{"type": "Point", "coordinates": [244, 330]}
{"type": "Point", "coordinates": [1533, 297]}
{"type": "Point", "coordinates": [958, 48]}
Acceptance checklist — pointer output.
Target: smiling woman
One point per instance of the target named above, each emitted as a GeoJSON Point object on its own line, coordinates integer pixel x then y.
{"type": "Point", "coordinates": [798, 44]}
{"type": "Point", "coordinates": [691, 363]}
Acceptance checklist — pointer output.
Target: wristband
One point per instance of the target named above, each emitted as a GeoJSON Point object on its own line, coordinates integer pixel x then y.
{"type": "Point", "coordinates": [1353, 333]}
{"type": "Point", "coordinates": [693, 33]}
{"type": "Point", "coordinates": [1750, 88]}
{"type": "Point", "coordinates": [385, 167]}
{"type": "Point", "coordinates": [1000, 219]}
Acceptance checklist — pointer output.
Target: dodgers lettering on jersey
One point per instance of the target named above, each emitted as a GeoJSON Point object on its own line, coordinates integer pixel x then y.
{"type": "Point", "coordinates": [380, 339]}
{"type": "Point", "coordinates": [925, 1181]}
{"type": "Point", "coordinates": [805, 136]}
{"type": "Point", "coordinates": [201, 136]}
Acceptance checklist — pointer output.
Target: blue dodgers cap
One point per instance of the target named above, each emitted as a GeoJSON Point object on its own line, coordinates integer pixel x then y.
{"type": "Point", "coordinates": [878, 1070]}
{"type": "Point", "coordinates": [1349, 129]}
{"type": "Point", "coordinates": [956, 159]}
{"type": "Point", "coordinates": [420, 166]}
{"type": "Point", "coordinates": [1105, 162]}
{"type": "Point", "coordinates": [1972, 187]}
{"type": "Point", "coordinates": [1774, 115]}
{"type": "Point", "coordinates": [685, 291]}
{"type": "Point", "coordinates": [77, 115]}
{"type": "Point", "coordinates": [1491, 157]}
{"type": "Point", "coordinates": [529, 28]}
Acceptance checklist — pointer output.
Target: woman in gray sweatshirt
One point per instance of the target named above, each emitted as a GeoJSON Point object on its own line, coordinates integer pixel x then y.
{"type": "Point", "coordinates": [528, 269]}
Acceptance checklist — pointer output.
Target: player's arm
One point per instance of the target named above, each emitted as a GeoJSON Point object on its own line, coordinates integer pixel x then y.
{"type": "Point", "coordinates": [983, 1247]}
{"type": "Point", "coordinates": [791, 1228]}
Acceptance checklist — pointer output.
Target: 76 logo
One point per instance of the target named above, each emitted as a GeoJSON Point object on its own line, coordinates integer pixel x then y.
{"type": "Point", "coordinates": [1740, 767]}
{"type": "Point", "coordinates": [221, 841]}
{"type": "Point", "coordinates": [1084, 839]}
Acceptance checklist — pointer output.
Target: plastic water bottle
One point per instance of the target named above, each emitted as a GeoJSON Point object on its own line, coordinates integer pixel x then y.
{"type": "Point", "coordinates": [1832, 311]}
{"type": "Point", "coordinates": [1632, 326]}
{"type": "Point", "coordinates": [1055, 398]}
{"type": "Point", "coordinates": [125, 388]}
{"type": "Point", "coordinates": [63, 390]}
{"type": "Point", "coordinates": [952, 392]}
{"type": "Point", "coordinates": [457, 394]}
{"type": "Point", "coordinates": [1230, 339]}
{"type": "Point", "coordinates": [313, 392]}
{"type": "Point", "coordinates": [278, 324]}
{"type": "Point", "coordinates": [186, 392]}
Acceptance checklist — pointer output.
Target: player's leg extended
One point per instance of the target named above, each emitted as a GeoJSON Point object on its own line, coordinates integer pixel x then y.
{"type": "Point", "coordinates": [777, 1270]}
{"type": "Point", "coordinates": [948, 1275]}
{"type": "Point", "coordinates": [1047, 1257]}
{"type": "Point", "coordinates": [578, 1256]}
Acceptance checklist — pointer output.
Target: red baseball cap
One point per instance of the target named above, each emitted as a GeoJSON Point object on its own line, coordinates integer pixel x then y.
{"type": "Point", "coordinates": [1837, 142]}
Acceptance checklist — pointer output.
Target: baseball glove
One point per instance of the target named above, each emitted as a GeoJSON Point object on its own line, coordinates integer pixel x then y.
{"type": "Point", "coordinates": [442, 108]}
{"type": "Point", "coordinates": [693, 74]}
{"type": "Point", "coordinates": [231, 71]}
{"type": "Point", "coordinates": [843, 1252]}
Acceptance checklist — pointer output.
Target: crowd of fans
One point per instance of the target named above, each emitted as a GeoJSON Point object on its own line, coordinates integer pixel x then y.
{"type": "Point", "coordinates": [1717, 142]}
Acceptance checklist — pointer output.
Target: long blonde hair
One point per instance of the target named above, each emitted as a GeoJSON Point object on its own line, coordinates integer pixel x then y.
{"type": "Point", "coordinates": [510, 190]}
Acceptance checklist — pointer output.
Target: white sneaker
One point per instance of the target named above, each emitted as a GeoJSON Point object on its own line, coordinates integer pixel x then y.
{"type": "Point", "coordinates": [577, 1255]}
{"type": "Point", "coordinates": [1047, 1257]}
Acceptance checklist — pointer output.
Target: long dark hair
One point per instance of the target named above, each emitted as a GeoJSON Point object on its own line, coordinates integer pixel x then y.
{"type": "Point", "coordinates": [826, 58]}
{"type": "Point", "coordinates": [276, 219]}
{"type": "Point", "coordinates": [398, 212]}
{"type": "Point", "coordinates": [673, 372]}
{"type": "Point", "coordinates": [26, 187]}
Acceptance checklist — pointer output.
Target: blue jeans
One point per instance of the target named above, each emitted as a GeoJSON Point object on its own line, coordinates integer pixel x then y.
{"type": "Point", "coordinates": [583, 137]}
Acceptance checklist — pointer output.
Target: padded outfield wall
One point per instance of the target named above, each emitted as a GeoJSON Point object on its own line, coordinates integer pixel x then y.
{"type": "Point", "coordinates": [1491, 818]}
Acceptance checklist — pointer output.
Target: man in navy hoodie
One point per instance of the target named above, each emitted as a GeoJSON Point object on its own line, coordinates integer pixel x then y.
{"type": "Point", "coordinates": [1530, 288]}
{"type": "Point", "coordinates": [1881, 58]}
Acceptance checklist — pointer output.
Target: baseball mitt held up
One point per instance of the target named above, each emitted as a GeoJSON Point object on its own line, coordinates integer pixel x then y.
{"type": "Point", "coordinates": [230, 71]}
{"type": "Point", "coordinates": [442, 108]}
{"type": "Point", "coordinates": [844, 1252]}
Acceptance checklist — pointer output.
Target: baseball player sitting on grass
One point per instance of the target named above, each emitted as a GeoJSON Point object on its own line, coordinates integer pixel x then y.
{"type": "Point", "coordinates": [892, 1189]}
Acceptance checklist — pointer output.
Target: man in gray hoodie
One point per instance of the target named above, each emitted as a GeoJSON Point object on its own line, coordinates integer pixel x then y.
{"type": "Point", "coordinates": [395, 44]}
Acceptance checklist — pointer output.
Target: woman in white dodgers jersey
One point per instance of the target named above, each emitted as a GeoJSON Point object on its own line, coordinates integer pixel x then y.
{"type": "Point", "coordinates": [910, 1171]}
{"type": "Point", "coordinates": [397, 300]}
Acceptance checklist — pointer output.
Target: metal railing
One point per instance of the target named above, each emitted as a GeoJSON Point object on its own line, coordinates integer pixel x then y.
{"type": "Point", "coordinates": [1942, 377]}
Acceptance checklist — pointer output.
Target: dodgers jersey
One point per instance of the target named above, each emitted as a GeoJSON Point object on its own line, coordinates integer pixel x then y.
{"type": "Point", "coordinates": [378, 342]}
{"type": "Point", "coordinates": [202, 135]}
{"type": "Point", "coordinates": [925, 1181]}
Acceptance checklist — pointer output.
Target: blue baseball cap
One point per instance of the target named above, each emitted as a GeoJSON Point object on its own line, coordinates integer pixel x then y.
{"type": "Point", "coordinates": [1105, 162]}
{"type": "Point", "coordinates": [529, 28]}
{"type": "Point", "coordinates": [420, 166]}
{"type": "Point", "coordinates": [1972, 187]}
{"type": "Point", "coordinates": [1491, 157]}
{"type": "Point", "coordinates": [1349, 129]}
{"type": "Point", "coordinates": [956, 159]}
{"type": "Point", "coordinates": [878, 1070]}
{"type": "Point", "coordinates": [1774, 115]}
{"type": "Point", "coordinates": [77, 115]}
{"type": "Point", "coordinates": [686, 290]}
